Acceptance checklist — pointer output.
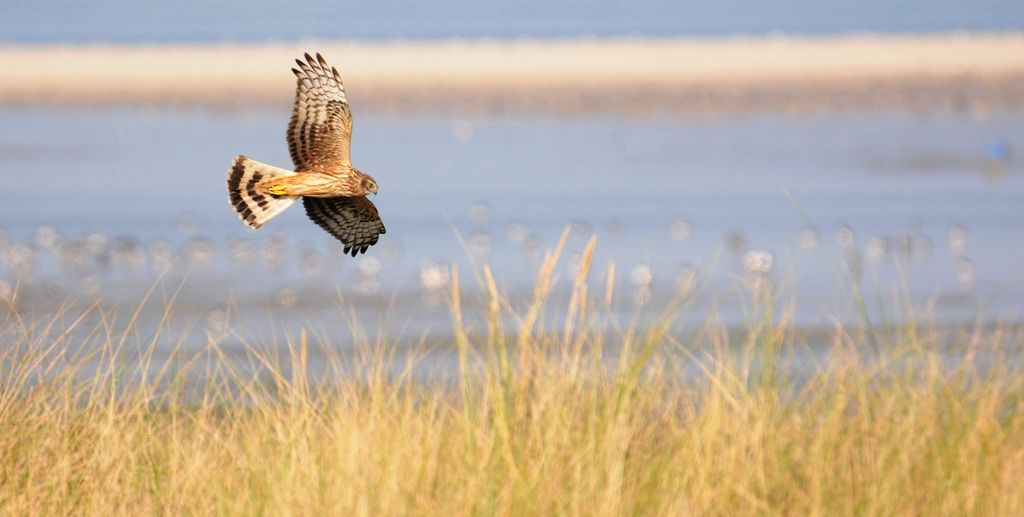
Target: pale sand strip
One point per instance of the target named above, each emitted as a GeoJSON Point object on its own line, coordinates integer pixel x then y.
{"type": "Point", "coordinates": [978, 71]}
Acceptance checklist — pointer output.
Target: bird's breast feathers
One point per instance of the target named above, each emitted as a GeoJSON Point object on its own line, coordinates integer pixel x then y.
{"type": "Point", "coordinates": [314, 184]}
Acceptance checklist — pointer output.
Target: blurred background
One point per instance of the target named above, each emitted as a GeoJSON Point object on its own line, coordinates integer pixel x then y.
{"type": "Point", "coordinates": [124, 21]}
{"type": "Point", "coordinates": [817, 145]}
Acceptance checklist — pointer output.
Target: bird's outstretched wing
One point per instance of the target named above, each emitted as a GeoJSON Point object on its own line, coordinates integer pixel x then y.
{"type": "Point", "coordinates": [320, 130]}
{"type": "Point", "coordinates": [352, 220]}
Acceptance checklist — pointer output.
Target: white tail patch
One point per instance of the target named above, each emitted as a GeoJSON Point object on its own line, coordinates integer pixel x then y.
{"type": "Point", "coordinates": [254, 206]}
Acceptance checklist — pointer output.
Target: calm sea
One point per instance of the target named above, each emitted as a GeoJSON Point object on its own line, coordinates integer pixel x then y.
{"type": "Point", "coordinates": [262, 20]}
{"type": "Point", "coordinates": [96, 201]}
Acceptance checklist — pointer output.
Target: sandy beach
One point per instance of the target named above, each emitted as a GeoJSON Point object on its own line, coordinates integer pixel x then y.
{"type": "Point", "coordinates": [969, 71]}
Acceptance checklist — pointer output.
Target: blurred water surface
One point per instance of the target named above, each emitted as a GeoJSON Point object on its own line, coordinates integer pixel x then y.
{"type": "Point", "coordinates": [100, 201]}
{"type": "Point", "coordinates": [263, 20]}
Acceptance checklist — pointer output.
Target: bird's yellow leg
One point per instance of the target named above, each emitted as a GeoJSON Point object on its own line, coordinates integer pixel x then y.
{"type": "Point", "coordinates": [278, 190]}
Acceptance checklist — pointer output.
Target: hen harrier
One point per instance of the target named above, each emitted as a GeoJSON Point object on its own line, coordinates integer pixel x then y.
{"type": "Point", "coordinates": [332, 190]}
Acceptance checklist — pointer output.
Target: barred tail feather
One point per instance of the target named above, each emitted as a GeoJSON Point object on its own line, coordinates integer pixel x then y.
{"type": "Point", "coordinates": [254, 206]}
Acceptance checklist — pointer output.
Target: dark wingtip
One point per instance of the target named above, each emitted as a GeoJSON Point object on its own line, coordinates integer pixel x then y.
{"type": "Point", "coordinates": [320, 59]}
{"type": "Point", "coordinates": [296, 71]}
{"type": "Point", "coordinates": [309, 59]}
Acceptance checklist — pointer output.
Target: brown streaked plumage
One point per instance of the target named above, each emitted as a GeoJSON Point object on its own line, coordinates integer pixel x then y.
{"type": "Point", "coordinates": [319, 140]}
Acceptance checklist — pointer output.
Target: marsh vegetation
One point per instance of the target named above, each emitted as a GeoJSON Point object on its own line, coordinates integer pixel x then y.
{"type": "Point", "coordinates": [550, 409]}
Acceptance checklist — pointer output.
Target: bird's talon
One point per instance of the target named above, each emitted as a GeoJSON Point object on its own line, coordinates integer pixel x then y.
{"type": "Point", "coordinates": [277, 190]}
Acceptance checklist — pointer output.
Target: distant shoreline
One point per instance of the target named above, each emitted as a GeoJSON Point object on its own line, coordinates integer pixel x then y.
{"type": "Point", "coordinates": [978, 72]}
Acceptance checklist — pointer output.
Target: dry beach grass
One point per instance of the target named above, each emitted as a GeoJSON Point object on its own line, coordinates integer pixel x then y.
{"type": "Point", "coordinates": [592, 418]}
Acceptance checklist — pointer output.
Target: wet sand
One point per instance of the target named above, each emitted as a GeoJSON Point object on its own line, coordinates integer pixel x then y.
{"type": "Point", "coordinates": [977, 72]}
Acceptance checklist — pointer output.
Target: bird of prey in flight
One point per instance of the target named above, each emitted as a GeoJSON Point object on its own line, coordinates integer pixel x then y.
{"type": "Point", "coordinates": [319, 136]}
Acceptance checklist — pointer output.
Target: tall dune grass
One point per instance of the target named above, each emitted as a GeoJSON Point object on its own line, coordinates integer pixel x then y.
{"type": "Point", "coordinates": [574, 416]}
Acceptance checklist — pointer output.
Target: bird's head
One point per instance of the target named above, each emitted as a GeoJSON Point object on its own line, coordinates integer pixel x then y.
{"type": "Point", "coordinates": [369, 184]}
